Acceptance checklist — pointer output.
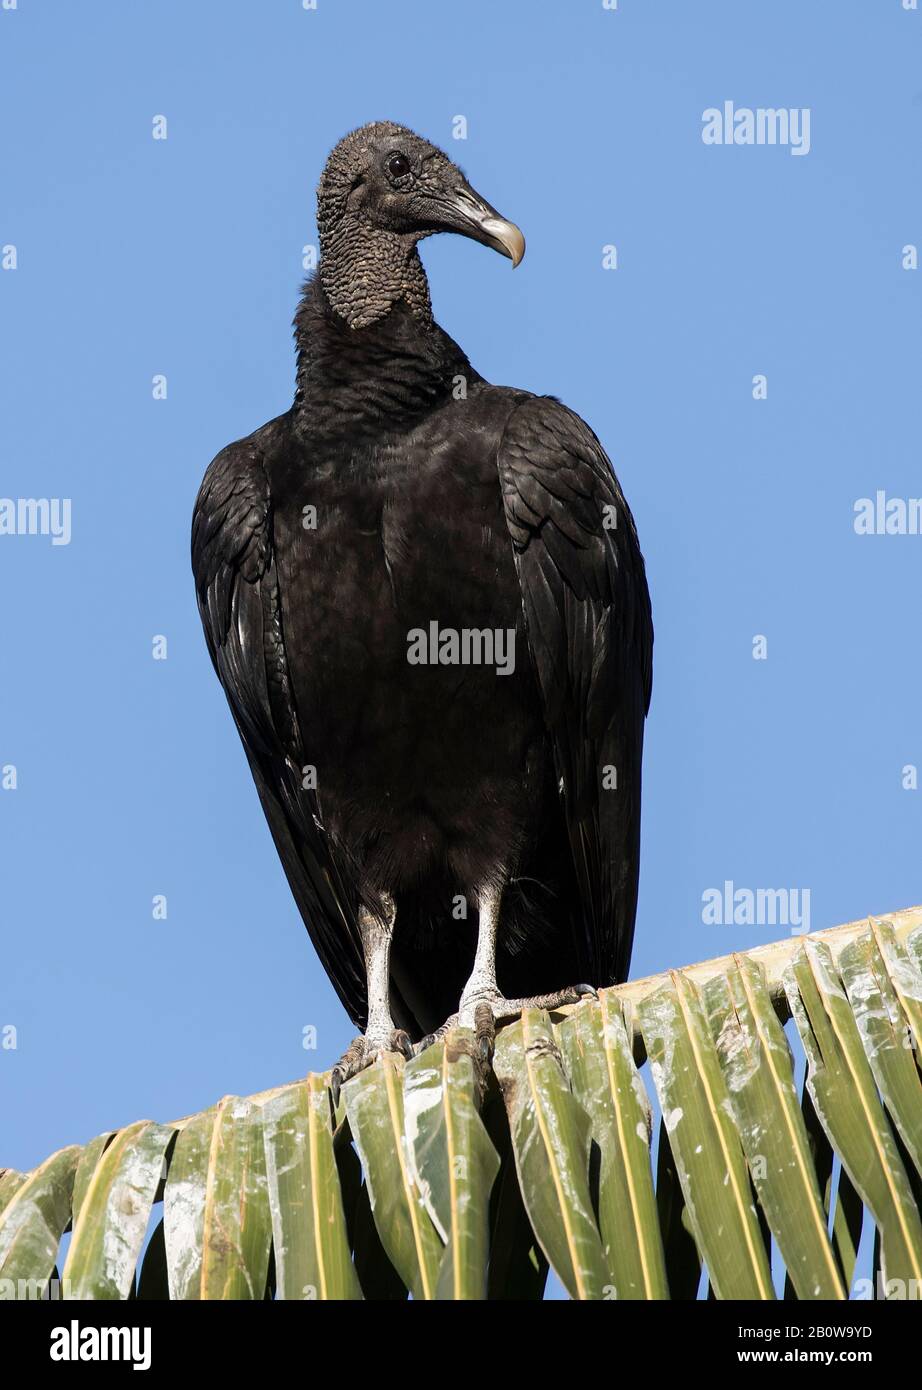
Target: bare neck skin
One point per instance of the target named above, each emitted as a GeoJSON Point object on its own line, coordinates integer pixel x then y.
{"type": "Point", "coordinates": [365, 270]}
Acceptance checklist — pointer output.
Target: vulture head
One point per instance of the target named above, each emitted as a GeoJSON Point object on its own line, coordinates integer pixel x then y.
{"type": "Point", "coordinates": [383, 189]}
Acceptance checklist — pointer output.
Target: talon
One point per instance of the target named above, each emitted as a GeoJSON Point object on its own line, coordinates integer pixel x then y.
{"type": "Point", "coordinates": [586, 991]}
{"type": "Point", "coordinates": [431, 1038]}
{"type": "Point", "coordinates": [363, 1052]}
{"type": "Point", "coordinates": [485, 1032]}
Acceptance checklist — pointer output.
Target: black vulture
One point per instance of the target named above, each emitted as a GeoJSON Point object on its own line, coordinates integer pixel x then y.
{"type": "Point", "coordinates": [426, 602]}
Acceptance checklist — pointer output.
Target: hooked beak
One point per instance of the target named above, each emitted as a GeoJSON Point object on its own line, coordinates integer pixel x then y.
{"type": "Point", "coordinates": [465, 212]}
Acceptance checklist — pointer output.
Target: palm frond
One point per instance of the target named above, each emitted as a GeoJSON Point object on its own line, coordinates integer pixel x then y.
{"type": "Point", "coordinates": [447, 1180]}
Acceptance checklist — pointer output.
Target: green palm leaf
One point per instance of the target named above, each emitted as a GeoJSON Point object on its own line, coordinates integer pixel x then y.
{"type": "Point", "coordinates": [34, 1219]}
{"type": "Point", "coordinates": [312, 1255]}
{"type": "Point", "coordinates": [110, 1228]}
{"type": "Point", "coordinates": [454, 1163]}
{"type": "Point", "coordinates": [375, 1107]}
{"type": "Point", "coordinates": [551, 1134]}
{"type": "Point", "coordinates": [452, 1179]}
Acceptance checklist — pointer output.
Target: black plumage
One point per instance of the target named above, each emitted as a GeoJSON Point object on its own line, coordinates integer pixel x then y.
{"type": "Point", "coordinates": [404, 794]}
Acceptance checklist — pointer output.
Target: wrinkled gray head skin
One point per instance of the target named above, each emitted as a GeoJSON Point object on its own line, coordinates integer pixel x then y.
{"type": "Point", "coordinates": [383, 189]}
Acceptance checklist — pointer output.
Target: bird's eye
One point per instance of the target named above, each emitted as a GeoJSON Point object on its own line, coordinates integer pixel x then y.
{"type": "Point", "coordinates": [398, 166]}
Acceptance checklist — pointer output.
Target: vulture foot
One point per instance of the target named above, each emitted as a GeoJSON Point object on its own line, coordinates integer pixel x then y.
{"type": "Point", "coordinates": [482, 1012]}
{"type": "Point", "coordinates": [362, 1052]}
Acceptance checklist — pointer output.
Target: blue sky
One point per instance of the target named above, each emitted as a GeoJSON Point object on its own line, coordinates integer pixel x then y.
{"type": "Point", "coordinates": [183, 257]}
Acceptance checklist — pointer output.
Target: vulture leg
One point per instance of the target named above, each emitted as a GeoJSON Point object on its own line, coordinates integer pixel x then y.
{"type": "Point", "coordinates": [380, 1034]}
{"type": "Point", "coordinates": [482, 1004]}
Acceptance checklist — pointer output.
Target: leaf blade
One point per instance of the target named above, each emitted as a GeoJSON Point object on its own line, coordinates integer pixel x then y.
{"type": "Point", "coordinates": [454, 1162]}
{"type": "Point", "coordinates": [34, 1219]}
{"type": "Point", "coordinates": [842, 1087]}
{"type": "Point", "coordinates": [551, 1140]}
{"type": "Point", "coordinates": [110, 1228]}
{"type": "Point", "coordinates": [755, 1057]}
{"type": "Point", "coordinates": [605, 1081]}
{"type": "Point", "coordinates": [312, 1255]}
{"type": "Point", "coordinates": [705, 1146]}
{"type": "Point", "coordinates": [375, 1108]}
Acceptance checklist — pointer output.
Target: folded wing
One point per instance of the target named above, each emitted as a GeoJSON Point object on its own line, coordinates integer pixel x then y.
{"type": "Point", "coordinates": [590, 634]}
